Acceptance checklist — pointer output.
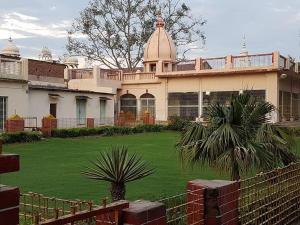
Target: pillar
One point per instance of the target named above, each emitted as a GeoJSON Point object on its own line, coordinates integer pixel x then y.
{"type": "Point", "coordinates": [15, 124]}
{"type": "Point", "coordinates": [145, 212]}
{"type": "Point", "coordinates": [48, 124]}
{"type": "Point", "coordinates": [9, 196]}
{"type": "Point", "coordinates": [213, 202]}
{"type": "Point", "coordinates": [229, 64]}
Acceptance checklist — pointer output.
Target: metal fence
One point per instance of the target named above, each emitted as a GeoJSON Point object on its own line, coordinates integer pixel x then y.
{"type": "Point", "coordinates": [271, 198]}
{"type": "Point", "coordinates": [39, 209]}
{"type": "Point", "coordinates": [30, 122]}
{"type": "Point", "coordinates": [66, 123]}
{"type": "Point", "coordinates": [185, 208]}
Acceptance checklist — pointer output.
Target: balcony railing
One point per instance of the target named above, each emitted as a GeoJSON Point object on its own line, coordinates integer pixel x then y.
{"type": "Point", "coordinates": [213, 63]}
{"type": "Point", "coordinates": [260, 60]}
{"type": "Point", "coordinates": [10, 68]}
{"type": "Point", "coordinates": [81, 73]}
{"type": "Point", "coordinates": [138, 76]}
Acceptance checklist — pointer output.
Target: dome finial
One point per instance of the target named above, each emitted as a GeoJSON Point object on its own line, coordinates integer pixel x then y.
{"type": "Point", "coordinates": [159, 20]}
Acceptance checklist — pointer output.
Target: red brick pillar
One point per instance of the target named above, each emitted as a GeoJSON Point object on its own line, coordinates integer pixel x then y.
{"type": "Point", "coordinates": [220, 202]}
{"type": "Point", "coordinates": [15, 125]}
{"type": "Point", "coordinates": [48, 124]}
{"type": "Point", "coordinates": [145, 212]}
{"type": "Point", "coordinates": [9, 196]}
{"type": "Point", "coordinates": [90, 122]}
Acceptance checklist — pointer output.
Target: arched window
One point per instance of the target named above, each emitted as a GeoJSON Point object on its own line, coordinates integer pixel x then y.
{"type": "Point", "coordinates": [148, 104]}
{"type": "Point", "coordinates": [128, 104]}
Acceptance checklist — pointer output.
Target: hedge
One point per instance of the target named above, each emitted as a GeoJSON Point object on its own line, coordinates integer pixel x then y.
{"type": "Point", "coordinates": [20, 137]}
{"type": "Point", "coordinates": [105, 131]}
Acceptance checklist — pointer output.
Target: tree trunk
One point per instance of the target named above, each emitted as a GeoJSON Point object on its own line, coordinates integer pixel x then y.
{"type": "Point", "coordinates": [117, 191]}
{"type": "Point", "coordinates": [235, 171]}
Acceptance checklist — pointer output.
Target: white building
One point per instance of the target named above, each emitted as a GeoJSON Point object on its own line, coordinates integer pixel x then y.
{"type": "Point", "coordinates": [34, 89]}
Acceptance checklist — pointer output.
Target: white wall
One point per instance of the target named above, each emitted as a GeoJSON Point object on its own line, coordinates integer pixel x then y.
{"type": "Point", "coordinates": [17, 97]}
{"type": "Point", "coordinates": [39, 103]}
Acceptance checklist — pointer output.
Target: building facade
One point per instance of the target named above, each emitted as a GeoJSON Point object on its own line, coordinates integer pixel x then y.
{"type": "Point", "coordinates": [163, 87]}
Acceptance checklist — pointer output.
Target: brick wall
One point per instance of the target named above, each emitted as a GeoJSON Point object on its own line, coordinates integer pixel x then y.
{"type": "Point", "coordinates": [220, 202]}
{"type": "Point", "coordinates": [14, 125]}
{"type": "Point", "coordinates": [47, 69]}
{"type": "Point", "coordinates": [9, 196]}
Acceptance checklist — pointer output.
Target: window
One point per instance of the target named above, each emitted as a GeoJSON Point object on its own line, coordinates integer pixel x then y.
{"type": "Point", "coordinates": [224, 98]}
{"type": "Point", "coordinates": [184, 105]}
{"type": "Point", "coordinates": [81, 111]}
{"type": "Point", "coordinates": [129, 105]}
{"type": "Point", "coordinates": [102, 111]}
{"type": "Point", "coordinates": [148, 104]}
{"type": "Point", "coordinates": [3, 112]}
{"type": "Point", "coordinates": [152, 67]}
{"type": "Point", "coordinates": [53, 109]}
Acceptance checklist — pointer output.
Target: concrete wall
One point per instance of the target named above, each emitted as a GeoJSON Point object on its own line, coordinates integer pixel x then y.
{"type": "Point", "coordinates": [236, 82]}
{"type": "Point", "coordinates": [17, 97]}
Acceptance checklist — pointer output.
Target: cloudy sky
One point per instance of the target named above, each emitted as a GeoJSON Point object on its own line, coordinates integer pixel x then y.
{"type": "Point", "coordinates": [268, 25]}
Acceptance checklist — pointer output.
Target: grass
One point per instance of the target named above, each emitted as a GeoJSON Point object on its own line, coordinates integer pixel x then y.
{"type": "Point", "coordinates": [52, 167]}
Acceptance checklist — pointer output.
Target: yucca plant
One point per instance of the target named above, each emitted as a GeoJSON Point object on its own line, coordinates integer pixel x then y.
{"type": "Point", "coordinates": [238, 138]}
{"type": "Point", "coordinates": [118, 168]}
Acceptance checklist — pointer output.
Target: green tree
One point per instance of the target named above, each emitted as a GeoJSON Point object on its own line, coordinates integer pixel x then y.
{"type": "Point", "coordinates": [238, 138]}
{"type": "Point", "coordinates": [118, 168]}
{"type": "Point", "coordinates": [114, 32]}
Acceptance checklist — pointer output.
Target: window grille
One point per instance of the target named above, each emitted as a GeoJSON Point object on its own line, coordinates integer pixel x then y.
{"type": "Point", "coordinates": [184, 105]}
{"type": "Point", "coordinates": [128, 104]}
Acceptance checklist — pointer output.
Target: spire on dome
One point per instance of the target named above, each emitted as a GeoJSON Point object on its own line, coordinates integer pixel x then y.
{"type": "Point", "coordinates": [244, 46]}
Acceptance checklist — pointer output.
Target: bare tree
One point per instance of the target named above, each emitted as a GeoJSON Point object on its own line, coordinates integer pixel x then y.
{"type": "Point", "coordinates": [114, 32]}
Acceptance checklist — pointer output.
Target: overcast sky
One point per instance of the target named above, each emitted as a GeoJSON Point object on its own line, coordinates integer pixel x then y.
{"type": "Point", "coordinates": [268, 25]}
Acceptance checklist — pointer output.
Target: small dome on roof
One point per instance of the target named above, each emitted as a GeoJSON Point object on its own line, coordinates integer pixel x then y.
{"type": "Point", "coordinates": [45, 54]}
{"type": "Point", "coordinates": [71, 61]}
{"type": "Point", "coordinates": [10, 49]}
{"type": "Point", "coordinates": [160, 45]}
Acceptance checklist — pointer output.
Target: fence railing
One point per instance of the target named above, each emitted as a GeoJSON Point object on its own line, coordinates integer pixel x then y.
{"type": "Point", "coordinates": [271, 198]}
{"type": "Point", "coordinates": [81, 73]}
{"type": "Point", "coordinates": [38, 209]}
{"type": "Point", "coordinates": [213, 63]}
{"type": "Point", "coordinates": [10, 68]}
{"type": "Point", "coordinates": [185, 208]}
{"type": "Point", "coordinates": [30, 122]}
{"type": "Point", "coordinates": [65, 123]}
{"type": "Point", "coordinates": [259, 60]}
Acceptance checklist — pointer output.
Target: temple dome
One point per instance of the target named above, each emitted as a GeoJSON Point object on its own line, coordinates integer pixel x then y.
{"type": "Point", "coordinates": [71, 61]}
{"type": "Point", "coordinates": [45, 54]}
{"type": "Point", "coordinates": [160, 45]}
{"type": "Point", "coordinates": [10, 49]}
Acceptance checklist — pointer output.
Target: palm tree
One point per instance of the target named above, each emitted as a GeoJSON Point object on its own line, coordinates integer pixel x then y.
{"type": "Point", "coordinates": [238, 138]}
{"type": "Point", "coordinates": [118, 168]}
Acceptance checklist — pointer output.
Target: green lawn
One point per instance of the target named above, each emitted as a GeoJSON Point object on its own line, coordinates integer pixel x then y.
{"type": "Point", "coordinates": [52, 167]}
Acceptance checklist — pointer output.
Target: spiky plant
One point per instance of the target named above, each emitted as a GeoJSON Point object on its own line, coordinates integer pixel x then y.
{"type": "Point", "coordinates": [118, 168]}
{"type": "Point", "coordinates": [237, 138]}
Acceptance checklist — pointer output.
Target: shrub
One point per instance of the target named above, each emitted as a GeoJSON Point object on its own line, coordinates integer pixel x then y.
{"type": "Point", "coordinates": [177, 123]}
{"type": "Point", "coordinates": [106, 131]}
{"type": "Point", "coordinates": [19, 137]}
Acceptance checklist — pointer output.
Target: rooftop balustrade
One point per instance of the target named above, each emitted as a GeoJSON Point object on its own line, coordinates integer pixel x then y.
{"type": "Point", "coordinates": [200, 65]}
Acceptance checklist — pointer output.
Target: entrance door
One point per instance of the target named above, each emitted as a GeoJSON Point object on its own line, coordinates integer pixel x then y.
{"type": "Point", "coordinates": [102, 111]}
{"type": "Point", "coordinates": [53, 109]}
{"type": "Point", "coordinates": [81, 111]}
